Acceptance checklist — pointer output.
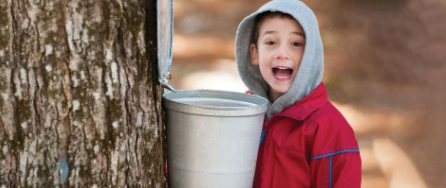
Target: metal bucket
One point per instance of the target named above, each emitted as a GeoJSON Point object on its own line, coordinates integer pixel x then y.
{"type": "Point", "coordinates": [212, 138]}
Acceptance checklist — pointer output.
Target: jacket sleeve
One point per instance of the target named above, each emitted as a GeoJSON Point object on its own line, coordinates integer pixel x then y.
{"type": "Point", "coordinates": [335, 161]}
{"type": "Point", "coordinates": [336, 170]}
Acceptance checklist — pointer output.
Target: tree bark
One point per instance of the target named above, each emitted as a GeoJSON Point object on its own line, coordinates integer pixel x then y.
{"type": "Point", "coordinates": [80, 100]}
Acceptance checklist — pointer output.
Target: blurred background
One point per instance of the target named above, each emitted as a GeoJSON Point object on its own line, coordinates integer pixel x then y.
{"type": "Point", "coordinates": [384, 69]}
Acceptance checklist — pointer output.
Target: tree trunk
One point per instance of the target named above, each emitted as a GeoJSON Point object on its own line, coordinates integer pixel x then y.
{"type": "Point", "coordinates": [80, 100]}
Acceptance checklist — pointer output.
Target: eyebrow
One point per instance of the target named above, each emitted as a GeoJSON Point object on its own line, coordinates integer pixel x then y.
{"type": "Point", "coordinates": [269, 32]}
{"type": "Point", "coordinates": [297, 33]}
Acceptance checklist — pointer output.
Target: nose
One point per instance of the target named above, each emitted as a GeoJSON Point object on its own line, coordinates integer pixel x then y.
{"type": "Point", "coordinates": [282, 53]}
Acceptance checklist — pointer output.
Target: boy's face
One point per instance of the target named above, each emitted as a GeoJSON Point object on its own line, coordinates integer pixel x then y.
{"type": "Point", "coordinates": [279, 50]}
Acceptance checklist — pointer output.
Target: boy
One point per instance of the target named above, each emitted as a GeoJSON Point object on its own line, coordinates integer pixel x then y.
{"type": "Point", "coordinates": [306, 142]}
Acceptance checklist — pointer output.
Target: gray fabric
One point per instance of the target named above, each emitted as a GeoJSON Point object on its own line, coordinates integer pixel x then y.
{"type": "Point", "coordinates": [310, 72]}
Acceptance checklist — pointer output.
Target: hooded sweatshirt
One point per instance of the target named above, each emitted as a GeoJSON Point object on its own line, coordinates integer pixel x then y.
{"type": "Point", "coordinates": [311, 67]}
{"type": "Point", "coordinates": [306, 142]}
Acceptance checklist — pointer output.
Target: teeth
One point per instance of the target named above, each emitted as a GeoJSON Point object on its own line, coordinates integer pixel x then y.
{"type": "Point", "coordinates": [282, 68]}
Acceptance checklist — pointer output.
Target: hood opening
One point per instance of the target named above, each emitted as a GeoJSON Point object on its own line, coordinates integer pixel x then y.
{"type": "Point", "coordinates": [309, 73]}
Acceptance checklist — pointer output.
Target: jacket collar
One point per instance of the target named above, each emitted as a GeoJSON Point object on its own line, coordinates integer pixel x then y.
{"type": "Point", "coordinates": [307, 105]}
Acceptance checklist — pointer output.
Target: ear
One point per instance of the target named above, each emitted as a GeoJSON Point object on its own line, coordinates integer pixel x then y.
{"type": "Point", "coordinates": [254, 54]}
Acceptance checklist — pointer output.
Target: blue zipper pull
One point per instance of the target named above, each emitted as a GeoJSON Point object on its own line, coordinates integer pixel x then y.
{"type": "Point", "coordinates": [261, 137]}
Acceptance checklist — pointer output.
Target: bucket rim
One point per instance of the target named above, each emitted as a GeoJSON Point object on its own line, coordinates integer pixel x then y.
{"type": "Point", "coordinates": [257, 108]}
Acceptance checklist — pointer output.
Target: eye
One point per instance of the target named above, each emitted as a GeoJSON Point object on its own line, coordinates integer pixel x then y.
{"type": "Point", "coordinates": [270, 43]}
{"type": "Point", "coordinates": [297, 44]}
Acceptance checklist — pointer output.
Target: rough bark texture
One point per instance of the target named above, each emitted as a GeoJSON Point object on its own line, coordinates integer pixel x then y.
{"type": "Point", "coordinates": [80, 102]}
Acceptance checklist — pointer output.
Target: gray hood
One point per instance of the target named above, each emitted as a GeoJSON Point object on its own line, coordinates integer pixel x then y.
{"type": "Point", "coordinates": [309, 75]}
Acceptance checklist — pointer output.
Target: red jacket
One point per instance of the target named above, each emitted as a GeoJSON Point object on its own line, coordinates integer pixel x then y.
{"type": "Point", "coordinates": [308, 144]}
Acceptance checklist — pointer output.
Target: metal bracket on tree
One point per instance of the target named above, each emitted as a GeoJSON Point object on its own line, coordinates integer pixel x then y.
{"type": "Point", "coordinates": [165, 35]}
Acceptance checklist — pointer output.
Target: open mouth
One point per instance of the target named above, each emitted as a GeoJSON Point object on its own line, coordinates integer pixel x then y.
{"type": "Point", "coordinates": [282, 73]}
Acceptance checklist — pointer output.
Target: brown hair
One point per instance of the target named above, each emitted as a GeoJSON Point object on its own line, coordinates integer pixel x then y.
{"type": "Point", "coordinates": [261, 18]}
